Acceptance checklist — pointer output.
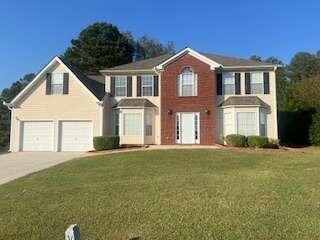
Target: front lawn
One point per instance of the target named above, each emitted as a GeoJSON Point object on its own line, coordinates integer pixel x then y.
{"type": "Point", "coordinates": [169, 194]}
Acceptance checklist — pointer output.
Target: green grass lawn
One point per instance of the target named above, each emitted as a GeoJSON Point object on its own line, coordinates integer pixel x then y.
{"type": "Point", "coordinates": [169, 194]}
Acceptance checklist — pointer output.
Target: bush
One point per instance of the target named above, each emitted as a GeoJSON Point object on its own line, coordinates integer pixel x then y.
{"type": "Point", "coordinates": [236, 140]}
{"type": "Point", "coordinates": [105, 142]}
{"type": "Point", "coordinates": [314, 131]}
{"type": "Point", "coordinates": [257, 141]}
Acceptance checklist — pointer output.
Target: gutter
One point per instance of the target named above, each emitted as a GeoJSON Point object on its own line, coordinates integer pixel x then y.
{"type": "Point", "coordinates": [8, 105]}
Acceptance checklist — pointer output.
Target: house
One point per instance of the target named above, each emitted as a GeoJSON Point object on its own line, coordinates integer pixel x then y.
{"type": "Point", "coordinates": [185, 98]}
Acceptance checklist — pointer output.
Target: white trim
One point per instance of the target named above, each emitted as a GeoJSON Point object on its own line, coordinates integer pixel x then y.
{"type": "Point", "coordinates": [260, 66]}
{"type": "Point", "coordinates": [55, 59]}
{"type": "Point", "coordinates": [193, 53]}
{"type": "Point", "coordinates": [151, 70]}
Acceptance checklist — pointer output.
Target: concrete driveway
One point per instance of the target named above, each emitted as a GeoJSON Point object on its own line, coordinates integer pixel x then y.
{"type": "Point", "coordinates": [16, 165]}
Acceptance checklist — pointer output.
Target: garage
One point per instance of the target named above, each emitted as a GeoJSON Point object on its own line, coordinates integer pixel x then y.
{"type": "Point", "coordinates": [75, 136]}
{"type": "Point", "coordinates": [37, 136]}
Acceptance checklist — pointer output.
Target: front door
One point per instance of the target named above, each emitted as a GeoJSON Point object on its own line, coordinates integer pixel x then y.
{"type": "Point", "coordinates": [189, 125]}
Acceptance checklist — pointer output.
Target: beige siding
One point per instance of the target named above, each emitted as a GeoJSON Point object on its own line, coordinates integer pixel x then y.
{"type": "Point", "coordinates": [156, 139]}
{"type": "Point", "coordinates": [270, 99]}
{"type": "Point", "coordinates": [79, 104]}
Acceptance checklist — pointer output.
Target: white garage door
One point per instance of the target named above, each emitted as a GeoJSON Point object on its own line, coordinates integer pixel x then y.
{"type": "Point", "coordinates": [76, 136]}
{"type": "Point", "coordinates": [37, 136]}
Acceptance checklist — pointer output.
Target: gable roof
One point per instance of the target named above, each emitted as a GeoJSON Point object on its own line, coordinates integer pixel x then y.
{"type": "Point", "coordinates": [213, 60]}
{"type": "Point", "coordinates": [147, 64]}
{"type": "Point", "coordinates": [234, 62]}
{"type": "Point", "coordinates": [94, 88]}
{"type": "Point", "coordinates": [97, 88]}
{"type": "Point", "coordinates": [135, 102]}
{"type": "Point", "coordinates": [243, 101]}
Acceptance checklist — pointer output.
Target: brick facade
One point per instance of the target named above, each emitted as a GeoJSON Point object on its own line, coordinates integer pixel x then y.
{"type": "Point", "coordinates": [172, 103]}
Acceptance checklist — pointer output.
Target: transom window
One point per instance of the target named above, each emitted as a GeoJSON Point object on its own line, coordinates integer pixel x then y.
{"type": "Point", "coordinates": [228, 83]}
{"type": "Point", "coordinates": [147, 85]}
{"type": "Point", "coordinates": [187, 83]}
{"type": "Point", "coordinates": [120, 85]}
{"type": "Point", "coordinates": [57, 84]}
{"type": "Point", "coordinates": [257, 83]}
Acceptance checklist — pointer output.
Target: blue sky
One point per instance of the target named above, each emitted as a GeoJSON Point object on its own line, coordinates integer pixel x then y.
{"type": "Point", "coordinates": [34, 31]}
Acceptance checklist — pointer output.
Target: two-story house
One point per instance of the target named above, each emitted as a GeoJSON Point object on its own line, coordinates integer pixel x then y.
{"type": "Point", "coordinates": [185, 98]}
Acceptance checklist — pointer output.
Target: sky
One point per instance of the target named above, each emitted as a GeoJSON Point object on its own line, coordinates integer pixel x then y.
{"type": "Point", "coordinates": [33, 31]}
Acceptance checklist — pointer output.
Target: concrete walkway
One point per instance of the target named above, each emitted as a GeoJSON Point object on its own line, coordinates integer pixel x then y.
{"type": "Point", "coordinates": [16, 165]}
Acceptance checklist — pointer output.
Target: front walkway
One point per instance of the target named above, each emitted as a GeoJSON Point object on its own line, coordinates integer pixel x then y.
{"type": "Point", "coordinates": [16, 165]}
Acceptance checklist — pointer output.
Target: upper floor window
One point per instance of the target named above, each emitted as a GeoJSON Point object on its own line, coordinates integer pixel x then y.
{"type": "Point", "coordinates": [228, 83]}
{"type": "Point", "coordinates": [120, 86]}
{"type": "Point", "coordinates": [147, 85]}
{"type": "Point", "coordinates": [57, 83]}
{"type": "Point", "coordinates": [187, 83]}
{"type": "Point", "coordinates": [257, 86]}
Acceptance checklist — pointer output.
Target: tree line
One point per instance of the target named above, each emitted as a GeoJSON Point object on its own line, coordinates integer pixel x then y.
{"type": "Point", "coordinates": [102, 45]}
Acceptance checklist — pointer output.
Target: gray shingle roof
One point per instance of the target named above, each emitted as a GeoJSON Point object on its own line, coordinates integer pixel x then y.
{"type": "Point", "coordinates": [96, 87]}
{"type": "Point", "coordinates": [135, 102]}
{"type": "Point", "coordinates": [243, 101]}
{"type": "Point", "coordinates": [232, 61]}
{"type": "Point", "coordinates": [142, 64]}
{"type": "Point", "coordinates": [153, 62]}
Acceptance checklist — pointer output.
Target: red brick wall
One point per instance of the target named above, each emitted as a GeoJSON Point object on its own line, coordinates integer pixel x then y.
{"type": "Point", "coordinates": [206, 99]}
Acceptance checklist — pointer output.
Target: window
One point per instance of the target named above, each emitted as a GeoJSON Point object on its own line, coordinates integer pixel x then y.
{"type": "Point", "coordinates": [120, 83]}
{"type": "Point", "coordinates": [228, 80]}
{"type": "Point", "coordinates": [263, 123]}
{"type": "Point", "coordinates": [196, 127]}
{"type": "Point", "coordinates": [178, 128]}
{"type": "Point", "coordinates": [147, 85]}
{"type": "Point", "coordinates": [227, 124]}
{"type": "Point", "coordinates": [246, 123]}
{"type": "Point", "coordinates": [187, 83]}
{"type": "Point", "coordinates": [148, 124]}
{"type": "Point", "coordinates": [257, 83]}
{"type": "Point", "coordinates": [116, 122]}
{"type": "Point", "coordinates": [57, 84]}
{"type": "Point", "coordinates": [132, 124]}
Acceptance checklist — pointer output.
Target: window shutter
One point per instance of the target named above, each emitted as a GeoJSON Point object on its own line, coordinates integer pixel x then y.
{"type": "Point", "coordinates": [248, 83]}
{"type": "Point", "coordinates": [219, 83]}
{"type": "Point", "coordinates": [266, 83]}
{"type": "Point", "coordinates": [112, 86]}
{"type": "Point", "coordinates": [238, 84]}
{"type": "Point", "coordinates": [129, 86]}
{"type": "Point", "coordinates": [65, 83]}
{"type": "Point", "coordinates": [155, 85]}
{"type": "Point", "coordinates": [48, 84]}
{"type": "Point", "coordinates": [139, 86]}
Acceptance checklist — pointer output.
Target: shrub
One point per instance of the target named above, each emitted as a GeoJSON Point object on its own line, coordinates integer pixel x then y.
{"type": "Point", "coordinates": [314, 131]}
{"type": "Point", "coordinates": [105, 142]}
{"type": "Point", "coordinates": [272, 143]}
{"type": "Point", "coordinates": [257, 141]}
{"type": "Point", "coordinates": [236, 140]}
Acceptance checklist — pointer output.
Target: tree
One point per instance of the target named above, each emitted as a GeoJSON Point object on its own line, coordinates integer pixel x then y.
{"type": "Point", "coordinates": [100, 45]}
{"type": "Point", "coordinates": [303, 65]}
{"type": "Point", "coordinates": [7, 95]}
{"type": "Point", "coordinates": [255, 58]}
{"type": "Point", "coordinates": [306, 91]}
{"type": "Point", "coordinates": [147, 47]}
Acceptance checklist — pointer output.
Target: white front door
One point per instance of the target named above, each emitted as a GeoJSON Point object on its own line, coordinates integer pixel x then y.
{"type": "Point", "coordinates": [76, 136]}
{"type": "Point", "coordinates": [37, 136]}
{"type": "Point", "coordinates": [188, 128]}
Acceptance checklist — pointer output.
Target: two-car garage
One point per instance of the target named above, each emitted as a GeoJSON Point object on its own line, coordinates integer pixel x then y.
{"type": "Point", "coordinates": [56, 136]}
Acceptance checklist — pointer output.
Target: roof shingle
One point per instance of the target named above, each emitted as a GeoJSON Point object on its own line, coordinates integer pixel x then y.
{"type": "Point", "coordinates": [135, 102]}
{"type": "Point", "coordinates": [243, 101]}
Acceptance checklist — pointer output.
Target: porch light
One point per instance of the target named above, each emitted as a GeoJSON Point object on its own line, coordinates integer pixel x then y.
{"type": "Point", "coordinates": [169, 111]}
{"type": "Point", "coordinates": [207, 111]}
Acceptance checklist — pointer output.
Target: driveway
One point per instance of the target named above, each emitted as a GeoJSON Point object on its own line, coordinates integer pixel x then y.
{"type": "Point", "coordinates": [16, 165]}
